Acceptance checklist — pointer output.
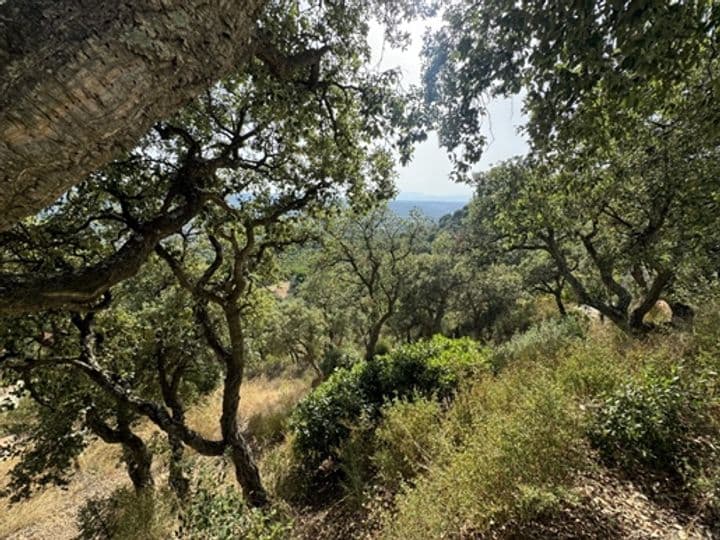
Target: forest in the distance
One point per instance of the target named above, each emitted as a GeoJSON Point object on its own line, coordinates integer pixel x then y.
{"type": "Point", "coordinates": [214, 325]}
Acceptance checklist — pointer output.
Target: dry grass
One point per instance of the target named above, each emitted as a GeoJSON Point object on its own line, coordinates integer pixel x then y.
{"type": "Point", "coordinates": [51, 513]}
{"type": "Point", "coordinates": [259, 398]}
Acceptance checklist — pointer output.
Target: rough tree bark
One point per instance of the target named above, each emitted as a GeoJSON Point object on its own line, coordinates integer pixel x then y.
{"type": "Point", "coordinates": [169, 387]}
{"type": "Point", "coordinates": [246, 471]}
{"type": "Point", "coordinates": [82, 80]}
{"type": "Point", "coordinates": [137, 455]}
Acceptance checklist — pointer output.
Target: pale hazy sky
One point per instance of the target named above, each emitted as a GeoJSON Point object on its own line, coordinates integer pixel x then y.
{"type": "Point", "coordinates": [429, 171]}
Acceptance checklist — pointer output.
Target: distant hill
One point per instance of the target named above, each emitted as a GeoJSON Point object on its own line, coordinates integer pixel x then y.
{"type": "Point", "coordinates": [432, 208]}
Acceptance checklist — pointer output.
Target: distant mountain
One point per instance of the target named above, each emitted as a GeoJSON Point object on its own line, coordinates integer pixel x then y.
{"type": "Point", "coordinates": [414, 196]}
{"type": "Point", "coordinates": [432, 208]}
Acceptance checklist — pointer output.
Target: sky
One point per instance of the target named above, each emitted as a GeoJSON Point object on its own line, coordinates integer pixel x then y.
{"type": "Point", "coordinates": [429, 171]}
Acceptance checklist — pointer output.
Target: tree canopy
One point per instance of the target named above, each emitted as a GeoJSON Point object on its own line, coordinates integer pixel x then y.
{"type": "Point", "coordinates": [580, 68]}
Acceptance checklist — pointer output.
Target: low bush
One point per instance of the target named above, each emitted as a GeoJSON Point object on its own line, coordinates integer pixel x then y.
{"type": "Point", "coordinates": [513, 446]}
{"type": "Point", "coordinates": [665, 423]}
{"type": "Point", "coordinates": [540, 342]}
{"type": "Point", "coordinates": [216, 512]}
{"type": "Point", "coordinates": [642, 424]}
{"type": "Point", "coordinates": [430, 368]}
{"type": "Point", "coordinates": [591, 368]}
{"type": "Point", "coordinates": [407, 439]}
{"type": "Point", "coordinates": [336, 358]}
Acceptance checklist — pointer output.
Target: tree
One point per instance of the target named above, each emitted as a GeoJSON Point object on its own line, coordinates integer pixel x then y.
{"type": "Point", "coordinates": [146, 339]}
{"type": "Point", "coordinates": [541, 275]}
{"type": "Point", "coordinates": [235, 166]}
{"type": "Point", "coordinates": [300, 331]}
{"type": "Point", "coordinates": [253, 122]}
{"type": "Point", "coordinates": [619, 231]}
{"type": "Point", "coordinates": [581, 67]}
{"type": "Point", "coordinates": [433, 281]}
{"type": "Point", "coordinates": [371, 256]}
{"type": "Point", "coordinates": [225, 283]}
{"type": "Point", "coordinates": [486, 301]}
{"type": "Point", "coordinates": [83, 81]}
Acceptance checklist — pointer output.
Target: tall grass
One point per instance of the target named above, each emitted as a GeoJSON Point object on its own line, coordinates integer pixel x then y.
{"type": "Point", "coordinates": [518, 444]}
{"type": "Point", "coordinates": [512, 445]}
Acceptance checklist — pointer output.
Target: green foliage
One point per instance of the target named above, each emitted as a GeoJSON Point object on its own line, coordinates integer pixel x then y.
{"type": "Point", "coordinates": [147, 316]}
{"type": "Point", "coordinates": [582, 67]}
{"type": "Point", "coordinates": [216, 513]}
{"type": "Point", "coordinates": [247, 163]}
{"type": "Point", "coordinates": [591, 368]}
{"type": "Point", "coordinates": [48, 448]}
{"type": "Point", "coordinates": [656, 423]}
{"type": "Point", "coordinates": [407, 439]}
{"type": "Point", "coordinates": [323, 419]}
{"type": "Point", "coordinates": [364, 269]}
{"type": "Point", "coordinates": [298, 331]}
{"type": "Point", "coordinates": [335, 358]}
{"type": "Point", "coordinates": [513, 447]}
{"type": "Point", "coordinates": [427, 368]}
{"type": "Point", "coordinates": [540, 342]}
{"type": "Point", "coordinates": [487, 301]}
{"type": "Point", "coordinates": [382, 347]}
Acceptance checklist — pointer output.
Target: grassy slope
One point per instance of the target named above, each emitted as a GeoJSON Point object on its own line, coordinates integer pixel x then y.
{"type": "Point", "coordinates": [601, 502]}
{"type": "Point", "coordinates": [51, 513]}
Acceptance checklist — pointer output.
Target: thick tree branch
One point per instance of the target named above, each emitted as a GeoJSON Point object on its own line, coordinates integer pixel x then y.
{"type": "Point", "coordinates": [75, 290]}
{"type": "Point", "coordinates": [81, 81]}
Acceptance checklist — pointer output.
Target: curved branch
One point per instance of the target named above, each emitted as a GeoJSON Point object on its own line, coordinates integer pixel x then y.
{"type": "Point", "coordinates": [76, 289]}
{"type": "Point", "coordinates": [283, 66]}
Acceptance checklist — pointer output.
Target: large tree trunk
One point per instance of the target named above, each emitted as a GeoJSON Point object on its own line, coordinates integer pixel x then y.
{"type": "Point", "coordinates": [246, 471]}
{"type": "Point", "coordinates": [81, 81]}
{"type": "Point", "coordinates": [139, 463]}
{"type": "Point", "coordinates": [137, 456]}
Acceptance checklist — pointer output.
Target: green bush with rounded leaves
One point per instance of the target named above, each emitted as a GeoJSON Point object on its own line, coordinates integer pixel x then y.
{"type": "Point", "coordinates": [654, 423]}
{"type": "Point", "coordinates": [434, 367]}
{"type": "Point", "coordinates": [216, 514]}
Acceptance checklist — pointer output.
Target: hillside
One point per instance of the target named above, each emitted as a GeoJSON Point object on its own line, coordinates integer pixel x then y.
{"type": "Point", "coordinates": [216, 324]}
{"type": "Point", "coordinates": [433, 209]}
{"type": "Point", "coordinates": [536, 469]}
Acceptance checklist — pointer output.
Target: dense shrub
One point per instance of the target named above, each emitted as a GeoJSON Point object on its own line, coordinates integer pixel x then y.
{"type": "Point", "coordinates": [334, 359]}
{"type": "Point", "coordinates": [513, 446]}
{"type": "Point", "coordinates": [435, 367]}
{"type": "Point", "coordinates": [658, 422]}
{"type": "Point", "coordinates": [641, 424]}
{"type": "Point", "coordinates": [539, 342]}
{"type": "Point", "coordinates": [217, 513]}
{"type": "Point", "coordinates": [406, 440]}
